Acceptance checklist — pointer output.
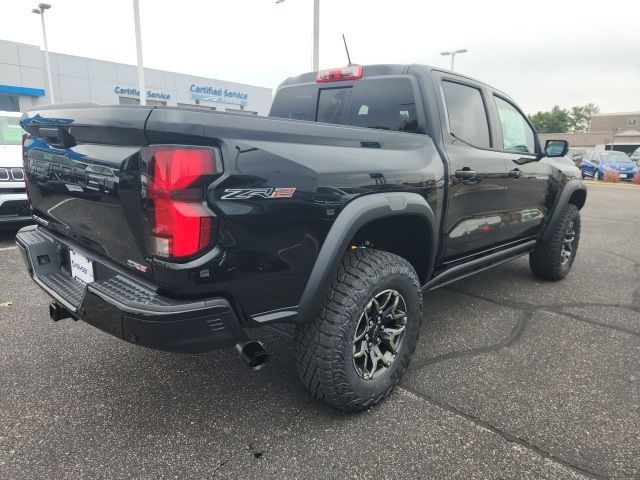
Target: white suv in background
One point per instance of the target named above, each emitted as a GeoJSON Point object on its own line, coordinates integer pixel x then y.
{"type": "Point", "coordinates": [14, 206]}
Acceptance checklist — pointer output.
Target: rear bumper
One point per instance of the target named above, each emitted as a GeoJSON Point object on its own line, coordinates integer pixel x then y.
{"type": "Point", "coordinates": [14, 208]}
{"type": "Point", "coordinates": [125, 307]}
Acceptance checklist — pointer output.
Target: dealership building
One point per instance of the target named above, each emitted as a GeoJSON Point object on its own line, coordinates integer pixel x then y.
{"type": "Point", "coordinates": [622, 130]}
{"type": "Point", "coordinates": [23, 84]}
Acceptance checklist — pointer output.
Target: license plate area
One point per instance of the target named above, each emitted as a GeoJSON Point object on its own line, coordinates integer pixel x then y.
{"type": "Point", "coordinates": [81, 267]}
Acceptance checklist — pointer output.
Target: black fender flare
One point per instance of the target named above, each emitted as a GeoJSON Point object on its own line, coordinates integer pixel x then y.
{"type": "Point", "coordinates": [569, 189]}
{"type": "Point", "coordinates": [354, 216]}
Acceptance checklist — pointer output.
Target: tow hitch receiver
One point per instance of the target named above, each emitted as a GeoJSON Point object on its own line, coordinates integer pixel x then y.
{"type": "Point", "coordinates": [56, 312]}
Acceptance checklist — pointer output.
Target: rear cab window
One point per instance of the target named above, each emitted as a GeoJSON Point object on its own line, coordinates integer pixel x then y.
{"type": "Point", "coordinates": [380, 103]}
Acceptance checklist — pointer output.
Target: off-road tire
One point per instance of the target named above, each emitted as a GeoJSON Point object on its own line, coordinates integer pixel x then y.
{"type": "Point", "coordinates": [324, 346]}
{"type": "Point", "coordinates": [546, 259]}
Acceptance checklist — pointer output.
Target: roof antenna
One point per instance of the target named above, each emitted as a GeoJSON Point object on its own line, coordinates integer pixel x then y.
{"type": "Point", "coordinates": [347, 49]}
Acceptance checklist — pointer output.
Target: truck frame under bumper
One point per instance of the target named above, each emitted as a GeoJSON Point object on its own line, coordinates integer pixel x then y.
{"type": "Point", "coordinates": [126, 307]}
{"type": "Point", "coordinates": [14, 208]}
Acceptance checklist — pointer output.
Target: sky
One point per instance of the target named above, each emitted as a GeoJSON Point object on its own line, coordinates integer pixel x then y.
{"type": "Point", "coordinates": [542, 53]}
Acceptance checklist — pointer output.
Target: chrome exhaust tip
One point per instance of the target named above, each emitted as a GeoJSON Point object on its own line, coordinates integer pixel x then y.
{"type": "Point", "coordinates": [253, 353]}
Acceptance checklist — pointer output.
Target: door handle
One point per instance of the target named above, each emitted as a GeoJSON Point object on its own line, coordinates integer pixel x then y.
{"type": "Point", "coordinates": [466, 173]}
{"type": "Point", "coordinates": [515, 173]}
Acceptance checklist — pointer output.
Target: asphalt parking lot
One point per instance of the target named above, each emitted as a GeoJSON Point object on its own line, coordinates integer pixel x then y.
{"type": "Point", "coordinates": [513, 378]}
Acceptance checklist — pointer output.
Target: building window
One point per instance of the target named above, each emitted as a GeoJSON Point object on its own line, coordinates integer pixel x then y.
{"type": "Point", "coordinates": [9, 103]}
{"type": "Point", "coordinates": [128, 101]}
{"type": "Point", "coordinates": [632, 122]}
{"type": "Point", "coordinates": [136, 101]}
{"type": "Point", "coordinates": [201, 107]}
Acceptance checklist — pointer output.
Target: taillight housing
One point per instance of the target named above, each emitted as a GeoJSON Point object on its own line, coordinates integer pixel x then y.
{"type": "Point", "coordinates": [181, 224]}
{"type": "Point", "coordinates": [339, 74]}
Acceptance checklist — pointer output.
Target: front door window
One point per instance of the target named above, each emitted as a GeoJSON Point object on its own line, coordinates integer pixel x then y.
{"type": "Point", "coordinates": [517, 134]}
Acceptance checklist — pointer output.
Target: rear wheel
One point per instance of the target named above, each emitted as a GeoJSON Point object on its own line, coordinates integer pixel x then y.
{"type": "Point", "coordinates": [356, 349]}
{"type": "Point", "coordinates": [552, 259]}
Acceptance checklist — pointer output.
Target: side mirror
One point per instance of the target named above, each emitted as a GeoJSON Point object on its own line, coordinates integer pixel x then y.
{"type": "Point", "coordinates": [556, 148]}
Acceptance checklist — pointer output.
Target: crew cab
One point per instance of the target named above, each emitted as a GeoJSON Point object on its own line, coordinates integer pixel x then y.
{"type": "Point", "coordinates": [365, 188]}
{"type": "Point", "coordinates": [14, 206]}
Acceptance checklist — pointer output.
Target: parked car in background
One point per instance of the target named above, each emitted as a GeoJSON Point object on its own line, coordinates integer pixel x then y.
{"type": "Point", "coordinates": [577, 154]}
{"type": "Point", "coordinates": [596, 164]}
{"type": "Point", "coordinates": [14, 205]}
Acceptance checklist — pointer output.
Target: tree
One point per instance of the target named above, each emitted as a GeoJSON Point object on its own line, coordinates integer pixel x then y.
{"type": "Point", "coordinates": [560, 120]}
{"type": "Point", "coordinates": [557, 120]}
{"type": "Point", "coordinates": [581, 117]}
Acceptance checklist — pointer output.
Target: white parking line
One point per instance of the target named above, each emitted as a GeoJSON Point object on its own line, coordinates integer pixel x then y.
{"type": "Point", "coordinates": [8, 248]}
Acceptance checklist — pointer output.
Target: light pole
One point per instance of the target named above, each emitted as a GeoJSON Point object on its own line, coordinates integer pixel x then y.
{"type": "Point", "coordinates": [40, 11]}
{"type": "Point", "coordinates": [453, 54]}
{"type": "Point", "coordinates": [316, 34]}
{"type": "Point", "coordinates": [136, 21]}
{"type": "Point", "coordinates": [613, 136]}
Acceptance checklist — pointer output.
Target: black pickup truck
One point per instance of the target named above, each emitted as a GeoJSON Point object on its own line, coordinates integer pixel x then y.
{"type": "Point", "coordinates": [178, 229]}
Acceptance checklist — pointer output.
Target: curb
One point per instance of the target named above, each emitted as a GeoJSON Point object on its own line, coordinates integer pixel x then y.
{"type": "Point", "coordinates": [610, 184]}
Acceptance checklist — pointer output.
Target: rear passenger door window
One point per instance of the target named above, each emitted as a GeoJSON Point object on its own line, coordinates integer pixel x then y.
{"type": "Point", "coordinates": [517, 134]}
{"type": "Point", "coordinates": [467, 114]}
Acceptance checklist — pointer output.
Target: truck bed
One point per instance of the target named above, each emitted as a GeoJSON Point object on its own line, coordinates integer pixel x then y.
{"type": "Point", "coordinates": [87, 180]}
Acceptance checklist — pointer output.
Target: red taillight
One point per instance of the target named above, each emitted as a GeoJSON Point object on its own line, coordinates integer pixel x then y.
{"type": "Point", "coordinates": [181, 224]}
{"type": "Point", "coordinates": [339, 74]}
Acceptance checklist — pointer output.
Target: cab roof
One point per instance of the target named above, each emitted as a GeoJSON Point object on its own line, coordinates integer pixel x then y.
{"type": "Point", "coordinates": [386, 69]}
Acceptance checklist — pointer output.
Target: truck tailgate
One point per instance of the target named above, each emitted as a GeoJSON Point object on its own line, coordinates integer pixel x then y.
{"type": "Point", "coordinates": [83, 174]}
